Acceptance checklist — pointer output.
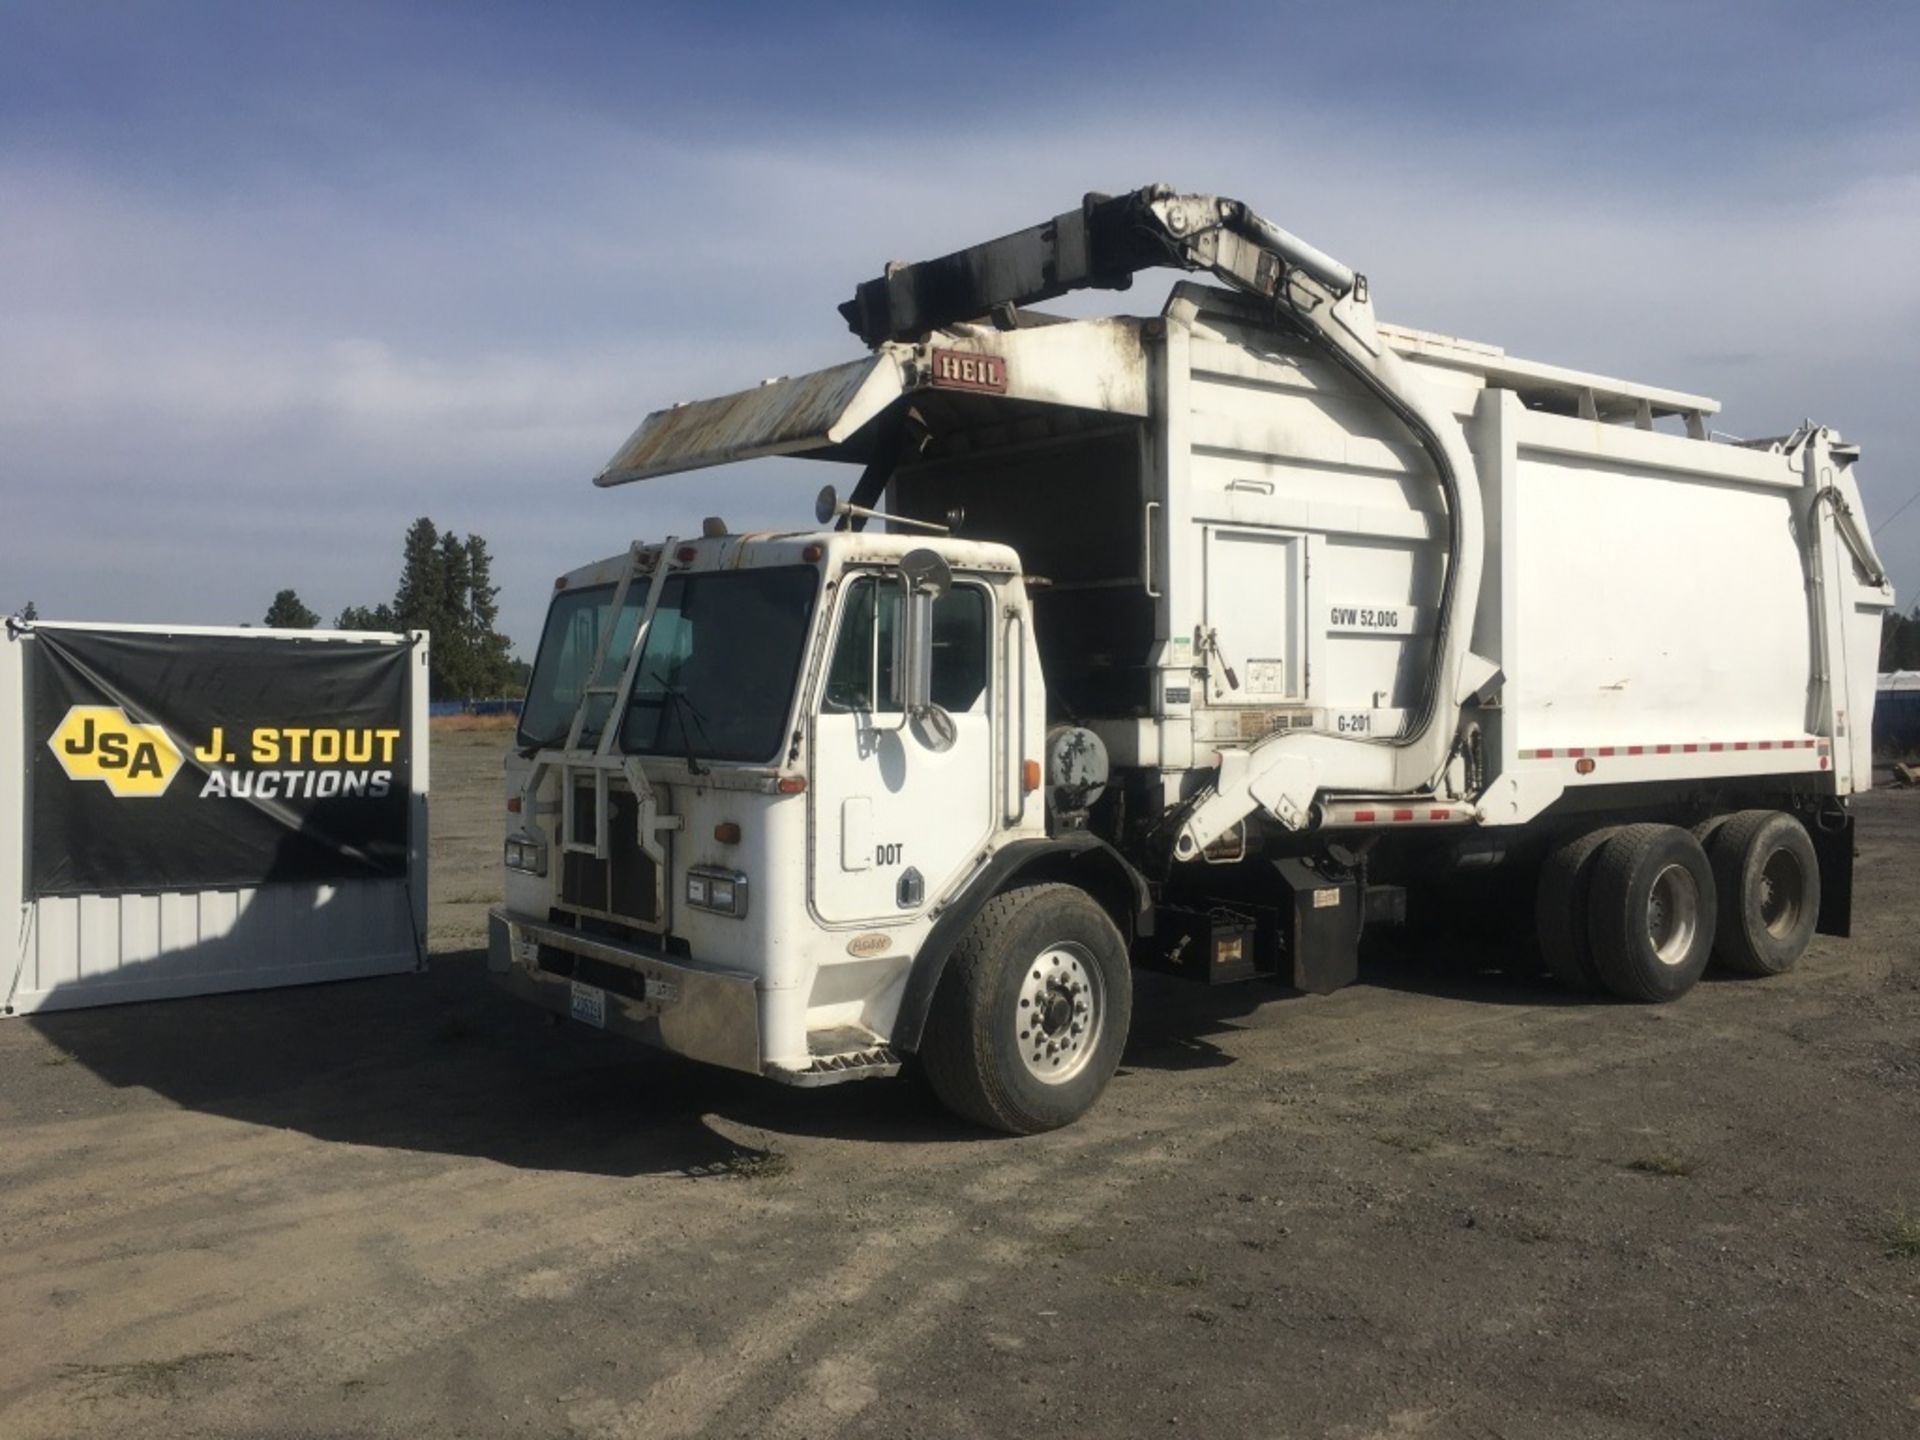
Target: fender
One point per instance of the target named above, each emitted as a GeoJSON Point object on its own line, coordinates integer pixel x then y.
{"type": "Point", "coordinates": [1076, 857]}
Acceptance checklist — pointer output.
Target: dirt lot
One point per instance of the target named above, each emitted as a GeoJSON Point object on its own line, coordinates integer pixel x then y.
{"type": "Point", "coordinates": [1436, 1203]}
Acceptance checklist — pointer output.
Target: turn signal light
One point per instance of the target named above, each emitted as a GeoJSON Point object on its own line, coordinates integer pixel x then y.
{"type": "Point", "coordinates": [793, 785]}
{"type": "Point", "coordinates": [513, 806]}
{"type": "Point", "coordinates": [1030, 775]}
{"type": "Point", "coordinates": [727, 833]}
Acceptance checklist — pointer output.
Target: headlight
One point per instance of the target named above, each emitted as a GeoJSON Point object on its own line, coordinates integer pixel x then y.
{"type": "Point", "coordinates": [527, 854]}
{"type": "Point", "coordinates": [722, 891]}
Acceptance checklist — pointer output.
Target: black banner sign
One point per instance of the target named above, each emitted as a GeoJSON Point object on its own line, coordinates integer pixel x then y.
{"type": "Point", "coordinates": [187, 762]}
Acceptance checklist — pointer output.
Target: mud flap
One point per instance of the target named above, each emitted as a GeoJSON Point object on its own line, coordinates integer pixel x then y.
{"type": "Point", "coordinates": [1832, 836]}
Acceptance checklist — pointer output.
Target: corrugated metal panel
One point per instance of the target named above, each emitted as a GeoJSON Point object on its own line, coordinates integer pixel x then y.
{"type": "Point", "coordinates": [84, 950]}
{"type": "Point", "coordinates": [105, 949]}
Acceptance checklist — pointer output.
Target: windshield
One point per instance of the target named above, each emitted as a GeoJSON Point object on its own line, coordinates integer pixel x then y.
{"type": "Point", "coordinates": [716, 676]}
{"type": "Point", "coordinates": [722, 656]}
{"type": "Point", "coordinates": [567, 647]}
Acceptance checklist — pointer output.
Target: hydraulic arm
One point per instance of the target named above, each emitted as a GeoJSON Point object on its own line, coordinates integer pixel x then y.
{"type": "Point", "coordinates": [1102, 246]}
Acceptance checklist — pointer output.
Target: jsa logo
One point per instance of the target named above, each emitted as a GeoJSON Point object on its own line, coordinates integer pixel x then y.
{"type": "Point", "coordinates": [98, 742]}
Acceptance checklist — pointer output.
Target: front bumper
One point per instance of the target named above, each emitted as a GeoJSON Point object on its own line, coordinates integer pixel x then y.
{"type": "Point", "coordinates": [703, 1013]}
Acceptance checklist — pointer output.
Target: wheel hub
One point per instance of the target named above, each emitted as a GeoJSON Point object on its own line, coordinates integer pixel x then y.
{"type": "Point", "coordinates": [1673, 914]}
{"type": "Point", "coordinates": [1062, 1007]}
{"type": "Point", "coordinates": [1782, 891]}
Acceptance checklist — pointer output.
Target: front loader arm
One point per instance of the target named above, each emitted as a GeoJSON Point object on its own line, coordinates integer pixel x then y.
{"type": "Point", "coordinates": [1101, 246]}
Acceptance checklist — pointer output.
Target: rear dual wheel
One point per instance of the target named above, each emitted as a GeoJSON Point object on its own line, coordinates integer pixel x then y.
{"type": "Point", "coordinates": [1560, 911]}
{"type": "Point", "coordinates": [1640, 909]}
{"type": "Point", "coordinates": [1768, 879]}
{"type": "Point", "coordinates": [1629, 910]}
{"type": "Point", "coordinates": [1651, 913]}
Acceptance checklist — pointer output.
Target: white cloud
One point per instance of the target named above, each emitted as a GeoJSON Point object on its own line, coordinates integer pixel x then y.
{"type": "Point", "coordinates": [262, 388]}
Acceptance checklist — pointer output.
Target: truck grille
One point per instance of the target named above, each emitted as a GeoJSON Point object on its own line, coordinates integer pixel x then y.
{"type": "Point", "coordinates": [626, 885]}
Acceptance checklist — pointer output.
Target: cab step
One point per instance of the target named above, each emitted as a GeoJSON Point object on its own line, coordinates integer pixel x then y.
{"type": "Point", "coordinates": [844, 1053]}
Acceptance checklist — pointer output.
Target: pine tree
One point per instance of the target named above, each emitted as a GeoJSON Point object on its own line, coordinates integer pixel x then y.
{"type": "Point", "coordinates": [493, 664]}
{"type": "Point", "coordinates": [446, 588]}
{"type": "Point", "coordinates": [1900, 641]}
{"type": "Point", "coordinates": [453, 651]}
{"type": "Point", "coordinates": [359, 617]}
{"type": "Point", "coordinates": [417, 602]}
{"type": "Point", "coordinates": [288, 613]}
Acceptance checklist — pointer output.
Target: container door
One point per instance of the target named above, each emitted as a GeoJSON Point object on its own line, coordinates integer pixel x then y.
{"type": "Point", "coordinates": [894, 822]}
{"type": "Point", "coordinates": [1256, 613]}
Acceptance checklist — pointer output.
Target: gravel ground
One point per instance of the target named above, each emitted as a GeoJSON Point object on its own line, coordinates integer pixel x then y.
{"type": "Point", "coordinates": [1438, 1203]}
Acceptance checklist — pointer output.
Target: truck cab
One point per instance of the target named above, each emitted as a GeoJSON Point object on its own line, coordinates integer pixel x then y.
{"type": "Point", "coordinates": [826, 738]}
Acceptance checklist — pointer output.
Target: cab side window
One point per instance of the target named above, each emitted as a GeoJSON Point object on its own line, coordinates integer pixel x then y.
{"type": "Point", "coordinates": [960, 648]}
{"type": "Point", "coordinates": [864, 674]}
{"type": "Point", "coordinates": [861, 676]}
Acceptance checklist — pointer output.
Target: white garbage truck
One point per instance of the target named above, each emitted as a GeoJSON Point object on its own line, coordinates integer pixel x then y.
{"type": "Point", "coordinates": [1202, 641]}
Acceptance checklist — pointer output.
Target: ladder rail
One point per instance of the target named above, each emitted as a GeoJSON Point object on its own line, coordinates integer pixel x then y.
{"type": "Point", "coordinates": [623, 692]}
{"type": "Point", "coordinates": [592, 686]}
{"type": "Point", "coordinates": [617, 695]}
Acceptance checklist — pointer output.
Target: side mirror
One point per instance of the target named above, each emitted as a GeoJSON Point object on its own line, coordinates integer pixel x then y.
{"type": "Point", "coordinates": [926, 571]}
{"type": "Point", "coordinates": [927, 577]}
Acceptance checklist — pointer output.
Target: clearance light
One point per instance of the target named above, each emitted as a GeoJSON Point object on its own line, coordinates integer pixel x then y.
{"type": "Point", "coordinates": [1583, 766]}
{"type": "Point", "coordinates": [513, 806]}
{"type": "Point", "coordinates": [727, 833]}
{"type": "Point", "coordinates": [812, 553]}
{"type": "Point", "coordinates": [792, 785]}
{"type": "Point", "coordinates": [685, 554]}
{"type": "Point", "coordinates": [1030, 775]}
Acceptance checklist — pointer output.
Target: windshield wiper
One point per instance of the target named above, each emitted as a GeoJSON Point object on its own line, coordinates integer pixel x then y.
{"type": "Point", "coordinates": [684, 710]}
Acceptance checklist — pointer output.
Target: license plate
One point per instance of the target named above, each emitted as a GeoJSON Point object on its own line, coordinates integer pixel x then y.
{"type": "Point", "coordinates": [590, 1005]}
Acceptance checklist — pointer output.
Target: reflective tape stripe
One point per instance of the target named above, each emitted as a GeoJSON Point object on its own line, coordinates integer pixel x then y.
{"type": "Point", "coordinates": [1711, 747]}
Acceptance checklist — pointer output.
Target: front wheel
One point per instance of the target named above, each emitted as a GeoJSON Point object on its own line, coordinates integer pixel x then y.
{"type": "Point", "coordinates": [1031, 1013]}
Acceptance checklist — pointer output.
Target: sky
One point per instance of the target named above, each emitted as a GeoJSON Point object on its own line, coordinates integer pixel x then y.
{"type": "Point", "coordinates": [275, 279]}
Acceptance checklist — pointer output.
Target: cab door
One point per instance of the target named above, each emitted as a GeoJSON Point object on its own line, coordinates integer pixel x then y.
{"type": "Point", "coordinates": [896, 822]}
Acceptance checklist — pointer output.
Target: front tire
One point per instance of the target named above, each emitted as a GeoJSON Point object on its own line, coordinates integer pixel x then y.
{"type": "Point", "coordinates": [1651, 913]}
{"type": "Point", "coordinates": [1769, 884]}
{"type": "Point", "coordinates": [1031, 1013]}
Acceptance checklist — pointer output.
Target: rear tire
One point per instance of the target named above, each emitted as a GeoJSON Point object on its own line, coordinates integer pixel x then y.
{"type": "Point", "coordinates": [1031, 1013]}
{"type": "Point", "coordinates": [1768, 879]}
{"type": "Point", "coordinates": [1651, 913]}
{"type": "Point", "coordinates": [1560, 911]}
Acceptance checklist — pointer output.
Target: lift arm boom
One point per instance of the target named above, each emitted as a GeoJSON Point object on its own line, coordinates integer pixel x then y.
{"type": "Point", "coordinates": [1100, 246]}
